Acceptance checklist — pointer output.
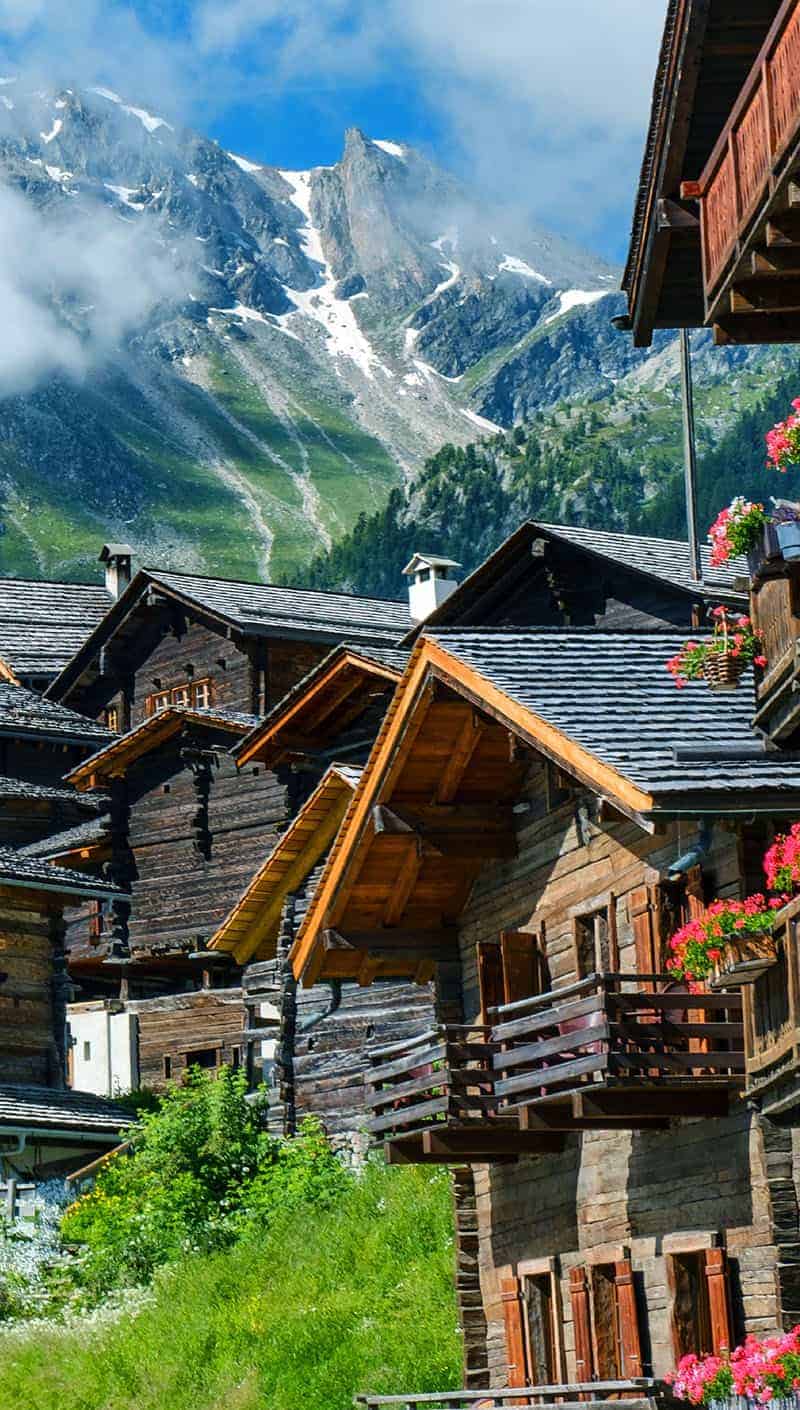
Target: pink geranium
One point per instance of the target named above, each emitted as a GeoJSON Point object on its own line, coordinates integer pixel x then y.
{"type": "Point", "coordinates": [783, 441]}
{"type": "Point", "coordinates": [735, 529]}
{"type": "Point", "coordinates": [758, 1370]}
{"type": "Point", "coordinates": [782, 861]}
{"type": "Point", "coordinates": [697, 946]}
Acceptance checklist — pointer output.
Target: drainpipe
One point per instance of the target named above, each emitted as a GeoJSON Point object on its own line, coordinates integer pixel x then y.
{"type": "Point", "coordinates": [690, 458]}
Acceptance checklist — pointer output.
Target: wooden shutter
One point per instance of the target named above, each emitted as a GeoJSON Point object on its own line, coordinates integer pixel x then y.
{"type": "Point", "coordinates": [642, 910]}
{"type": "Point", "coordinates": [695, 893]}
{"type": "Point", "coordinates": [719, 1300]}
{"type": "Point", "coordinates": [613, 940]}
{"type": "Point", "coordinates": [523, 966]}
{"type": "Point", "coordinates": [581, 1323]}
{"type": "Point", "coordinates": [511, 1296]}
{"type": "Point", "coordinates": [490, 977]}
{"type": "Point", "coordinates": [628, 1318]}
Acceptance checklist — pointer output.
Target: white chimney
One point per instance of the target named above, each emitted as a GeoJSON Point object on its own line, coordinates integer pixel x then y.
{"type": "Point", "coordinates": [117, 558]}
{"type": "Point", "coordinates": [430, 582]}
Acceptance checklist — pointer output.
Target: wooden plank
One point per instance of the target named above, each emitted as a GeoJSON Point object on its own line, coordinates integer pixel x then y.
{"type": "Point", "coordinates": [404, 886]}
{"type": "Point", "coordinates": [547, 1076]}
{"type": "Point", "coordinates": [566, 1043]}
{"type": "Point", "coordinates": [460, 757]}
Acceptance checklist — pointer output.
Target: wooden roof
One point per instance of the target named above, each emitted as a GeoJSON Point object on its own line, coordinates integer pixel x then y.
{"type": "Point", "coordinates": [706, 54]}
{"type": "Point", "coordinates": [434, 803]}
{"type": "Point", "coordinates": [250, 930]}
{"type": "Point", "coordinates": [322, 704]}
{"type": "Point", "coordinates": [115, 759]}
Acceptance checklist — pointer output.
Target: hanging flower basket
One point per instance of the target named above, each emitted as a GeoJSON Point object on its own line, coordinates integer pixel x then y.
{"type": "Point", "coordinates": [722, 659]}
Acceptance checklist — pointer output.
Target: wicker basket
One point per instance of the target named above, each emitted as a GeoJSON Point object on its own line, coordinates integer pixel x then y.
{"type": "Point", "coordinates": [722, 670]}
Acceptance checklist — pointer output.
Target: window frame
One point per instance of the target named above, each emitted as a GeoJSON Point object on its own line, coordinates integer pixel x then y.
{"type": "Point", "coordinates": [187, 695]}
{"type": "Point", "coordinates": [543, 1269]}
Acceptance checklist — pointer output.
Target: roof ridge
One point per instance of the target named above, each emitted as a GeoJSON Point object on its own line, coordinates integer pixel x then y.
{"type": "Point", "coordinates": [279, 587]}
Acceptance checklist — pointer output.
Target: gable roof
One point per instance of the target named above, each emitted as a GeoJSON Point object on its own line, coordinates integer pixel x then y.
{"type": "Point", "coordinates": [599, 704]}
{"type": "Point", "coordinates": [43, 624]}
{"type": "Point", "coordinates": [662, 561]}
{"type": "Point", "coordinates": [253, 609]}
{"type": "Point", "coordinates": [330, 691]}
{"type": "Point", "coordinates": [113, 759]}
{"type": "Point", "coordinates": [35, 874]}
{"type": "Point", "coordinates": [24, 714]}
{"type": "Point", "coordinates": [86, 835]}
{"type": "Point", "coordinates": [250, 930]}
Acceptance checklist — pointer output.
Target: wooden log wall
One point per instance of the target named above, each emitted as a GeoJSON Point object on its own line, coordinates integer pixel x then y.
{"type": "Point", "coordinates": [613, 1195]}
{"type": "Point", "coordinates": [29, 1050]}
{"type": "Point", "coordinates": [180, 1026]}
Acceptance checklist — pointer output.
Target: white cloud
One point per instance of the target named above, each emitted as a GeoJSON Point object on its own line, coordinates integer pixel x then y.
{"type": "Point", "coordinates": [108, 276]}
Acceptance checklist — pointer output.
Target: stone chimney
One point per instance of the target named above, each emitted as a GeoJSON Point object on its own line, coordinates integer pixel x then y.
{"type": "Point", "coordinates": [117, 558]}
{"type": "Point", "coordinates": [431, 580]}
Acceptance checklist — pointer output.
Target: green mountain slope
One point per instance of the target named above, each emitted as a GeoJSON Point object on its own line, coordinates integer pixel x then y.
{"type": "Point", "coordinates": [613, 463]}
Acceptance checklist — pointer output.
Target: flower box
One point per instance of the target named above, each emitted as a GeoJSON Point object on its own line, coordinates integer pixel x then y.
{"type": "Point", "coordinates": [744, 1402]}
{"type": "Point", "coordinates": [744, 962]}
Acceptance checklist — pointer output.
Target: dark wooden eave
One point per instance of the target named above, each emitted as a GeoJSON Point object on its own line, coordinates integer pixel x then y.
{"type": "Point", "coordinates": [706, 54]}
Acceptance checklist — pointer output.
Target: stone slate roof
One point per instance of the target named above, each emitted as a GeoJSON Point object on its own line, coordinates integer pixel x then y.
{"type": "Point", "coordinates": [21, 788]}
{"type": "Point", "coordinates": [43, 624]}
{"type": "Point", "coordinates": [264, 605]}
{"type": "Point", "coordinates": [667, 559]}
{"type": "Point", "coordinates": [23, 713]}
{"type": "Point", "coordinates": [85, 834]}
{"type": "Point", "coordinates": [43, 1107]}
{"type": "Point", "coordinates": [18, 869]}
{"type": "Point", "coordinates": [611, 693]}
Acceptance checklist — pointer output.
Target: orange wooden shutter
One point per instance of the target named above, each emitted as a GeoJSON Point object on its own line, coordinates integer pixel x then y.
{"type": "Point", "coordinates": [582, 1323]}
{"type": "Point", "coordinates": [522, 970]}
{"type": "Point", "coordinates": [628, 1316]}
{"type": "Point", "coordinates": [719, 1300]}
{"type": "Point", "coordinates": [641, 910]}
{"type": "Point", "coordinates": [490, 977]}
{"type": "Point", "coordinates": [511, 1295]}
{"type": "Point", "coordinates": [695, 898]}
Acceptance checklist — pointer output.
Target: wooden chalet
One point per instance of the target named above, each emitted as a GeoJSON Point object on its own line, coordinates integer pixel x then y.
{"type": "Point", "coordinates": [541, 811]}
{"type": "Point", "coordinates": [552, 575]}
{"type": "Point", "coordinates": [45, 1129]}
{"type": "Point", "coordinates": [316, 1058]}
{"type": "Point", "coordinates": [716, 239]}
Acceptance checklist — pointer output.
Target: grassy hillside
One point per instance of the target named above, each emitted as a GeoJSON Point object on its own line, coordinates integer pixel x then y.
{"type": "Point", "coordinates": [299, 1318]}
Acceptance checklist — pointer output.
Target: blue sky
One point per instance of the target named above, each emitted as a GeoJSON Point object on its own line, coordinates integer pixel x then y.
{"type": "Point", "coordinates": [541, 103]}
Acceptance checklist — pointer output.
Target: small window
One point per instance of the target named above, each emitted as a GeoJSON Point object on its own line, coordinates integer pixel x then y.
{"type": "Point", "coordinates": [159, 701]}
{"type": "Point", "coordinates": [167, 1065]}
{"type": "Point", "coordinates": [540, 1329]}
{"type": "Point", "coordinates": [424, 575]}
{"type": "Point", "coordinates": [560, 787]}
{"type": "Point", "coordinates": [236, 1058]}
{"type": "Point", "coordinates": [112, 717]}
{"type": "Point", "coordinates": [203, 1057]}
{"type": "Point", "coordinates": [87, 1051]}
{"type": "Point", "coordinates": [592, 943]}
{"type": "Point", "coordinates": [181, 695]}
{"type": "Point", "coordinates": [98, 919]}
{"type": "Point", "coordinates": [202, 694]}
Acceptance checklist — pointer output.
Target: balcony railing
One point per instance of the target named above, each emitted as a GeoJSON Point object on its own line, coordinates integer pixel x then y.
{"type": "Point", "coordinates": [754, 147]}
{"type": "Point", "coordinates": [607, 1033]}
{"type": "Point", "coordinates": [590, 1395]}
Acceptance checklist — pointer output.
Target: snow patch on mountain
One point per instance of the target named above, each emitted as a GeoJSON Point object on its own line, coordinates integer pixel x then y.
{"type": "Point", "coordinates": [392, 148]}
{"type": "Point", "coordinates": [148, 120]}
{"type": "Point", "coordinates": [54, 131]}
{"type": "Point", "coordinates": [514, 265]}
{"type": "Point", "coordinates": [244, 164]}
{"type": "Point", "coordinates": [574, 298]}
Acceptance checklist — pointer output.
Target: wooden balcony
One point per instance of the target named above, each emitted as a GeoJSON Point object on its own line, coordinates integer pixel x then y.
{"type": "Point", "coordinates": [610, 1050]}
{"type": "Point", "coordinates": [432, 1100]}
{"type": "Point", "coordinates": [772, 1024]}
{"type": "Point", "coordinates": [641, 1394]}
{"type": "Point", "coordinates": [749, 203]}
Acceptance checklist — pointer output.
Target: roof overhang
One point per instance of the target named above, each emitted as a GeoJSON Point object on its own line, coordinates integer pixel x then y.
{"type": "Point", "coordinates": [250, 930]}
{"type": "Point", "coordinates": [116, 758]}
{"type": "Point", "coordinates": [327, 699]}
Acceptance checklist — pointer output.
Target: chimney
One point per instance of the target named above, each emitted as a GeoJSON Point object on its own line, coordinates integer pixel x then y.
{"type": "Point", "coordinates": [430, 582]}
{"type": "Point", "coordinates": [117, 558]}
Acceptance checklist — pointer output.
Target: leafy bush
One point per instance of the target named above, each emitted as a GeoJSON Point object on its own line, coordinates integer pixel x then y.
{"type": "Point", "coordinates": [201, 1167]}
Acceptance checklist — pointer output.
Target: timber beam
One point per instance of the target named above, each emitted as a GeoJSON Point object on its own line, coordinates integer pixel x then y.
{"type": "Point", "coordinates": [479, 1143]}
{"type": "Point", "coordinates": [450, 829]}
{"type": "Point", "coordinates": [556, 1116]}
{"type": "Point", "coordinates": [408, 945]}
{"type": "Point", "coordinates": [697, 1098]}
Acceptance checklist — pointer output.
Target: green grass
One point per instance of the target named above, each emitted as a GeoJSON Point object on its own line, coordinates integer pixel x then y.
{"type": "Point", "coordinates": [301, 1318]}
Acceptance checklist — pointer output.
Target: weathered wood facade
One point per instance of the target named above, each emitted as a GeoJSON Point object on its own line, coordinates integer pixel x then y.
{"type": "Point", "coordinates": [628, 1206]}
